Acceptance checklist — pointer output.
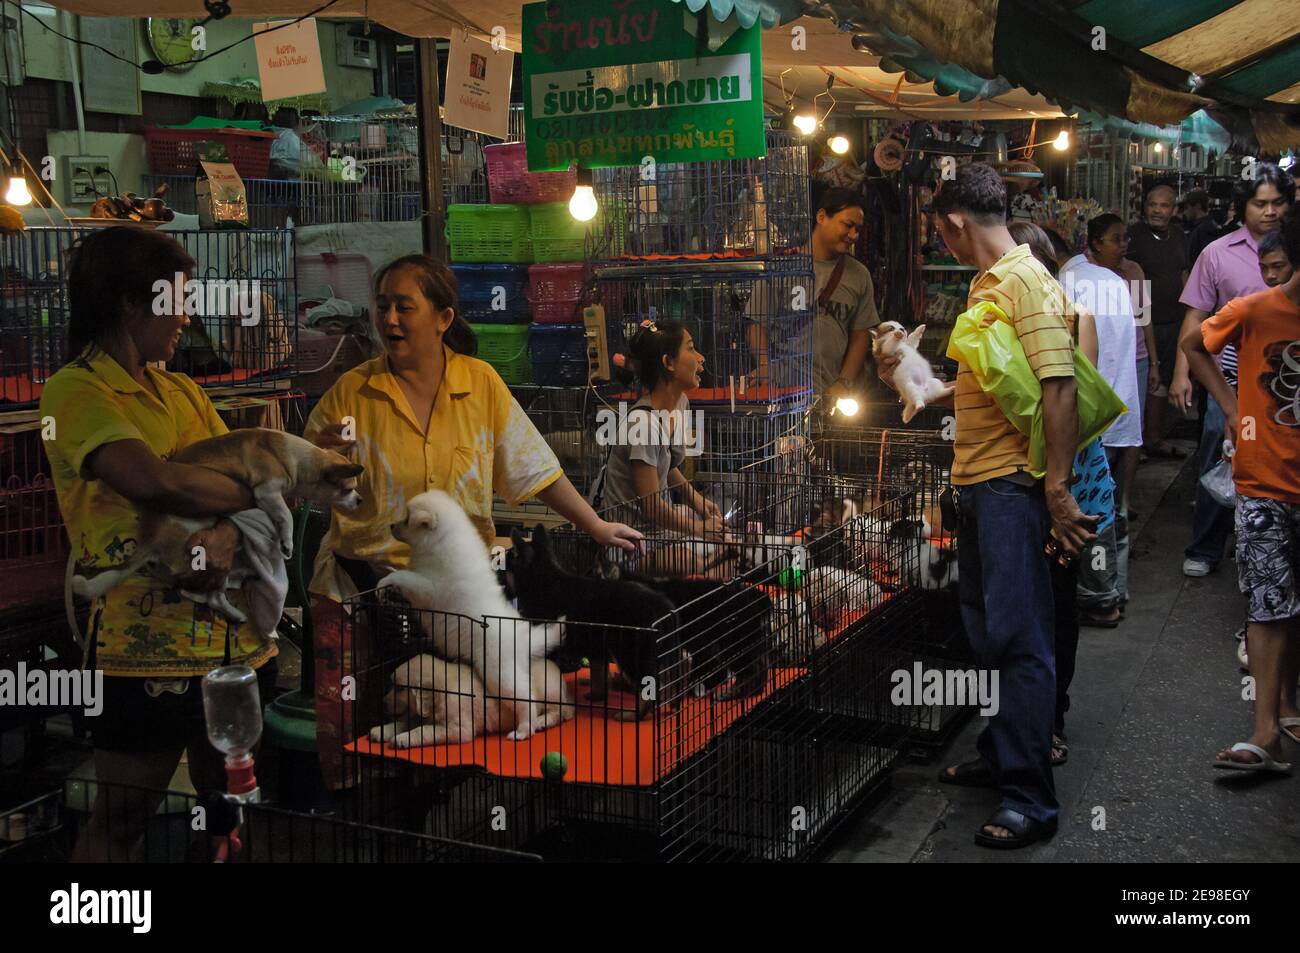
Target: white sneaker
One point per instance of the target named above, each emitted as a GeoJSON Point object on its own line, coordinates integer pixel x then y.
{"type": "Point", "coordinates": [1196, 567]}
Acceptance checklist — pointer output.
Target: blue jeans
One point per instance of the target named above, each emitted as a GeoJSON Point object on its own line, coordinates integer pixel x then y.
{"type": "Point", "coordinates": [1211, 523]}
{"type": "Point", "coordinates": [1006, 603]}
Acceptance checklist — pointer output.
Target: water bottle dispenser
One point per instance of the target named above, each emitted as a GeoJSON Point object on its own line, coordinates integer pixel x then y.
{"type": "Point", "coordinates": [233, 710]}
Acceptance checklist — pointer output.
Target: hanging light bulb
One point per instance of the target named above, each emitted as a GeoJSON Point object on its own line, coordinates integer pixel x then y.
{"type": "Point", "coordinates": [583, 205]}
{"type": "Point", "coordinates": [1062, 141]}
{"type": "Point", "coordinates": [839, 144]}
{"type": "Point", "coordinates": [18, 193]}
{"type": "Point", "coordinates": [1158, 148]}
{"type": "Point", "coordinates": [806, 123]}
{"type": "Point", "coordinates": [847, 406]}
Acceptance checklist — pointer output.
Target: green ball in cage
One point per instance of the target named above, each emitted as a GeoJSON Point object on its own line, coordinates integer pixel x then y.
{"type": "Point", "coordinates": [554, 766]}
{"type": "Point", "coordinates": [790, 578]}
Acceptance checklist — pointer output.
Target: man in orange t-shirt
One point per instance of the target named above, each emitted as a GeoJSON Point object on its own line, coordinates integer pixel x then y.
{"type": "Point", "coordinates": [1263, 421]}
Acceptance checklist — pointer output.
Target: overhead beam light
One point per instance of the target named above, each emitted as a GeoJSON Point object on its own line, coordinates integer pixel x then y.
{"type": "Point", "coordinates": [839, 144]}
{"type": "Point", "coordinates": [583, 205]}
{"type": "Point", "coordinates": [1062, 141]}
{"type": "Point", "coordinates": [17, 193]}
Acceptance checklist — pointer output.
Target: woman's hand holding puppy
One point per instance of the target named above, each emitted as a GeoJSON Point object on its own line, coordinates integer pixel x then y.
{"type": "Point", "coordinates": [219, 543]}
{"type": "Point", "coordinates": [331, 438]}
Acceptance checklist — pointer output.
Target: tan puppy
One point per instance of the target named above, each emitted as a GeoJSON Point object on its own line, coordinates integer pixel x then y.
{"type": "Point", "coordinates": [274, 465]}
{"type": "Point", "coordinates": [433, 701]}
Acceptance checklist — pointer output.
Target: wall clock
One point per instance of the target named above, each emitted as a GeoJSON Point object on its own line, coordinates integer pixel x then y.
{"type": "Point", "coordinates": [170, 39]}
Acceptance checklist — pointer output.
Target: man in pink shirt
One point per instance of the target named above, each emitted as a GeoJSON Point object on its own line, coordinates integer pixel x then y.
{"type": "Point", "coordinates": [1228, 268]}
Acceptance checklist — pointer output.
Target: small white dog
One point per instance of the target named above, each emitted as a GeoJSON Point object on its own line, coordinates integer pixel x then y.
{"type": "Point", "coordinates": [434, 701]}
{"type": "Point", "coordinates": [913, 378]}
{"type": "Point", "coordinates": [451, 573]}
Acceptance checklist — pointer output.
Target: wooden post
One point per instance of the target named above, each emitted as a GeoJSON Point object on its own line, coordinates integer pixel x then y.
{"type": "Point", "coordinates": [428, 106]}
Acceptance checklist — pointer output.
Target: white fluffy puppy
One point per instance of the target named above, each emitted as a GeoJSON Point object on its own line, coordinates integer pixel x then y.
{"type": "Point", "coordinates": [451, 573]}
{"type": "Point", "coordinates": [433, 701]}
{"type": "Point", "coordinates": [913, 377]}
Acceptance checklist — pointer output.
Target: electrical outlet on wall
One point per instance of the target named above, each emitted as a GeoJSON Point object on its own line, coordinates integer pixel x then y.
{"type": "Point", "coordinates": [84, 183]}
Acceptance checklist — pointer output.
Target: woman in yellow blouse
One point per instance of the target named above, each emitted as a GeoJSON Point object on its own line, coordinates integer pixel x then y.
{"type": "Point", "coordinates": [114, 420]}
{"type": "Point", "coordinates": [424, 415]}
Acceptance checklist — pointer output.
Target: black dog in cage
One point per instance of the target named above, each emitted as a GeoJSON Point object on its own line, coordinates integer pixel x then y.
{"type": "Point", "coordinates": [724, 631]}
{"type": "Point", "coordinates": [623, 622]}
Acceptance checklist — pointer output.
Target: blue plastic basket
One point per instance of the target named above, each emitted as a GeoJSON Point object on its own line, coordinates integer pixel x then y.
{"type": "Point", "coordinates": [559, 353]}
{"type": "Point", "coordinates": [478, 293]}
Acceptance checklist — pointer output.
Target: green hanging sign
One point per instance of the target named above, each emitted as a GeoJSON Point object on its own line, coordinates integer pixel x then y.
{"type": "Point", "coordinates": [609, 84]}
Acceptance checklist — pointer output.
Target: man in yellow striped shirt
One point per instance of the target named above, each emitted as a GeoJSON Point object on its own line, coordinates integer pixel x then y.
{"type": "Point", "coordinates": [1005, 512]}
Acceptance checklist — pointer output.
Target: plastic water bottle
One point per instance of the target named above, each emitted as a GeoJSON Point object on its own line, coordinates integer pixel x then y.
{"type": "Point", "coordinates": [233, 709]}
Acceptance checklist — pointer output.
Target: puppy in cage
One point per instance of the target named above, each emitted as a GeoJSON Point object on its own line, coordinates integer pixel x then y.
{"type": "Point", "coordinates": [468, 617]}
{"type": "Point", "coordinates": [627, 623]}
{"type": "Point", "coordinates": [433, 701]}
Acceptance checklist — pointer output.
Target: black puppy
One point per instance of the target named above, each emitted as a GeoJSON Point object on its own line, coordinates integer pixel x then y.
{"type": "Point", "coordinates": [605, 619]}
{"type": "Point", "coordinates": [724, 630]}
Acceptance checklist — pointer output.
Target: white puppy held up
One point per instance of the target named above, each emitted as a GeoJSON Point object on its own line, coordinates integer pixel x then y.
{"type": "Point", "coordinates": [913, 377]}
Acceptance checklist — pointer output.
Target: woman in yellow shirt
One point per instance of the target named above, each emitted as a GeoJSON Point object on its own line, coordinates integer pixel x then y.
{"type": "Point", "coordinates": [113, 422]}
{"type": "Point", "coordinates": [424, 415]}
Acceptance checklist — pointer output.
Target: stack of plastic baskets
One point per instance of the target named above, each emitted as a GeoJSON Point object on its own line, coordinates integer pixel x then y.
{"type": "Point", "coordinates": [493, 294]}
{"type": "Point", "coordinates": [558, 236]}
{"type": "Point", "coordinates": [555, 291]}
{"type": "Point", "coordinates": [505, 347]}
{"type": "Point", "coordinates": [559, 354]}
{"type": "Point", "coordinates": [510, 181]}
{"type": "Point", "coordinates": [494, 234]}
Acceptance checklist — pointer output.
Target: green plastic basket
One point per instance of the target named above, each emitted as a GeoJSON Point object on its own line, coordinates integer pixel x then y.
{"type": "Point", "coordinates": [489, 233]}
{"type": "Point", "coordinates": [557, 236]}
{"type": "Point", "coordinates": [505, 347]}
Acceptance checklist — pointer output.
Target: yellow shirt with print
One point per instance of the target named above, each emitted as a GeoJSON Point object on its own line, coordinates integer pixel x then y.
{"type": "Point", "coordinates": [986, 444]}
{"type": "Point", "coordinates": [479, 441]}
{"type": "Point", "coordinates": [145, 628]}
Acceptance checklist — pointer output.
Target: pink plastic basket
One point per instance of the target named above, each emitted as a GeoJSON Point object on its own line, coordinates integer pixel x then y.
{"type": "Point", "coordinates": [510, 182]}
{"type": "Point", "coordinates": [555, 291]}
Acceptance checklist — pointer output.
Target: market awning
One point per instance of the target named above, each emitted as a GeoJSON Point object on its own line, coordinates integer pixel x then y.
{"type": "Point", "coordinates": [1155, 63]}
{"type": "Point", "coordinates": [418, 18]}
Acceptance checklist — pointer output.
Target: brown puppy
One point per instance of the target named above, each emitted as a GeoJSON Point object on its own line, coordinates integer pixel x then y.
{"type": "Point", "coordinates": [274, 465]}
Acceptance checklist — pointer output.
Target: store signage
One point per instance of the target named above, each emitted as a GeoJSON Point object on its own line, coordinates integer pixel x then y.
{"type": "Point", "coordinates": [288, 59]}
{"type": "Point", "coordinates": [478, 86]}
{"type": "Point", "coordinates": [635, 80]}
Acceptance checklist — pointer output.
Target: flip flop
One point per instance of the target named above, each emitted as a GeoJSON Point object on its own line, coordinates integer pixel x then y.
{"type": "Point", "coordinates": [1024, 830]}
{"type": "Point", "coordinates": [1289, 726]}
{"type": "Point", "coordinates": [971, 774]}
{"type": "Point", "coordinates": [1061, 745]}
{"type": "Point", "coordinates": [1264, 764]}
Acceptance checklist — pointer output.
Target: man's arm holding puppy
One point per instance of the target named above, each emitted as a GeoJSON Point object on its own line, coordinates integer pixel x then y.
{"type": "Point", "coordinates": [886, 364]}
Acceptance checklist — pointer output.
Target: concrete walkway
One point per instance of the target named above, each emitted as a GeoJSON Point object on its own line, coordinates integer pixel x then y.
{"type": "Point", "coordinates": [1151, 703]}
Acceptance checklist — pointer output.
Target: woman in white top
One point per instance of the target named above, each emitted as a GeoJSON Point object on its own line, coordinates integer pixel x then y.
{"type": "Point", "coordinates": [644, 460]}
{"type": "Point", "coordinates": [1094, 281]}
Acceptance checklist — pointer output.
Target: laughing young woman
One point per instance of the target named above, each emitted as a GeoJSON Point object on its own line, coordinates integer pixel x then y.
{"type": "Point", "coordinates": [425, 415]}
{"type": "Point", "coordinates": [117, 420]}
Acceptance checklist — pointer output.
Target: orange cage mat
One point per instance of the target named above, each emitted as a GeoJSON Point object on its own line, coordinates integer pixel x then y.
{"type": "Point", "coordinates": [601, 750]}
{"type": "Point", "coordinates": [598, 750]}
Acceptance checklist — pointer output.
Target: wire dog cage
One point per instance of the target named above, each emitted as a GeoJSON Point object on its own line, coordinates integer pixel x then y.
{"type": "Point", "coordinates": [242, 303]}
{"type": "Point", "coordinates": [655, 756]}
{"type": "Point", "coordinates": [142, 825]}
{"type": "Point", "coordinates": [730, 209]}
{"type": "Point", "coordinates": [752, 324]}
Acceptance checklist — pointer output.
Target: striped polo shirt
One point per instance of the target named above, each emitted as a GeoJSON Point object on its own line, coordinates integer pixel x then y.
{"type": "Point", "coordinates": [987, 445]}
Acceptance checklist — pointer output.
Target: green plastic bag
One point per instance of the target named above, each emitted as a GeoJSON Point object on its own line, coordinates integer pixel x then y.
{"type": "Point", "coordinates": [985, 340]}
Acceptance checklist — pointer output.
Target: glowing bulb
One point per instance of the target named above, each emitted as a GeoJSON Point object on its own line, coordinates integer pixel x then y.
{"type": "Point", "coordinates": [847, 406]}
{"type": "Point", "coordinates": [839, 145]}
{"type": "Point", "coordinates": [1062, 141]}
{"type": "Point", "coordinates": [583, 204]}
{"type": "Point", "coordinates": [1158, 147]}
{"type": "Point", "coordinates": [806, 123]}
{"type": "Point", "coordinates": [18, 194]}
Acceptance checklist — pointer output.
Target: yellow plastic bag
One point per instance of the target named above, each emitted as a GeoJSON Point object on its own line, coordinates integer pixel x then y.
{"type": "Point", "coordinates": [985, 340]}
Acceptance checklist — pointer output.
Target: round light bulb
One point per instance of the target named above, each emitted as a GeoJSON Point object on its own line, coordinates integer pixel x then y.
{"type": "Point", "coordinates": [1159, 147]}
{"type": "Point", "coordinates": [839, 145]}
{"type": "Point", "coordinates": [583, 204]}
{"type": "Point", "coordinates": [847, 406]}
{"type": "Point", "coordinates": [806, 123]}
{"type": "Point", "coordinates": [1062, 141]}
{"type": "Point", "coordinates": [18, 194]}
